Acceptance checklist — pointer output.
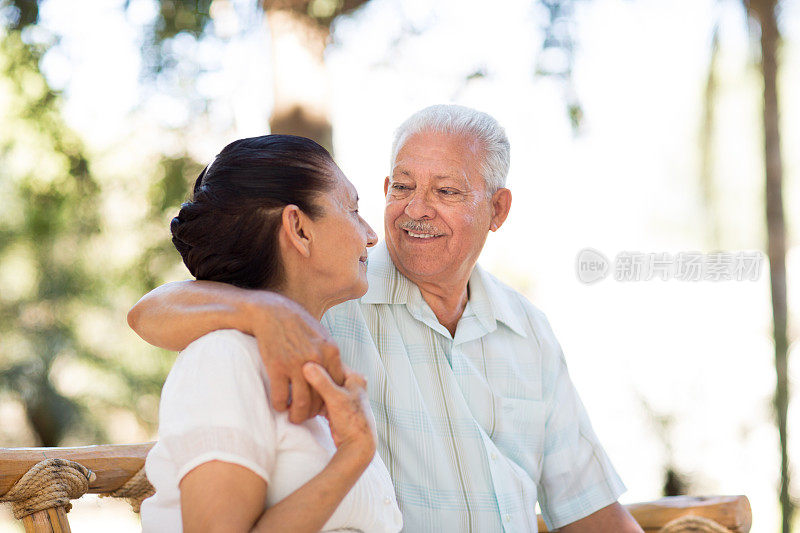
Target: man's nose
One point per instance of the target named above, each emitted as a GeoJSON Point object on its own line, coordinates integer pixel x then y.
{"type": "Point", "coordinates": [419, 206]}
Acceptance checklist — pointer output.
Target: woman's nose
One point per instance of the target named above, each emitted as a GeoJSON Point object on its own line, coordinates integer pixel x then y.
{"type": "Point", "coordinates": [372, 237]}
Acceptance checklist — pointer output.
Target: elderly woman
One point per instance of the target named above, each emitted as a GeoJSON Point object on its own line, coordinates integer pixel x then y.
{"type": "Point", "coordinates": [271, 212]}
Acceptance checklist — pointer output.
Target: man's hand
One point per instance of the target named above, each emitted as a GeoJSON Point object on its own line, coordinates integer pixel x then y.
{"type": "Point", "coordinates": [288, 337]}
{"type": "Point", "coordinates": [176, 314]}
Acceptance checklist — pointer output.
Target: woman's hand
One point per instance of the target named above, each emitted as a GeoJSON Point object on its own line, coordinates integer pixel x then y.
{"type": "Point", "coordinates": [347, 410]}
{"type": "Point", "coordinates": [220, 496]}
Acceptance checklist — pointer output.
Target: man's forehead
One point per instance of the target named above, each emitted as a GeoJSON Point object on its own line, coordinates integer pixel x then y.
{"type": "Point", "coordinates": [456, 174]}
{"type": "Point", "coordinates": [440, 155]}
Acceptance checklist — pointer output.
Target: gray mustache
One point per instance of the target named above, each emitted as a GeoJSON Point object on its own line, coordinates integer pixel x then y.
{"type": "Point", "coordinates": [419, 227]}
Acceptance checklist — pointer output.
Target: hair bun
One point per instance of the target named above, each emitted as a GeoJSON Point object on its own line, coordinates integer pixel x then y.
{"type": "Point", "coordinates": [175, 228]}
{"type": "Point", "coordinates": [224, 233]}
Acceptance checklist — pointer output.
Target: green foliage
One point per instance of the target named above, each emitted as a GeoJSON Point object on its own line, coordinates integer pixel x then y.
{"type": "Point", "coordinates": [53, 193]}
{"type": "Point", "coordinates": [165, 197]}
{"type": "Point", "coordinates": [59, 291]}
{"type": "Point", "coordinates": [170, 191]}
{"type": "Point", "coordinates": [20, 13]}
{"type": "Point", "coordinates": [176, 16]}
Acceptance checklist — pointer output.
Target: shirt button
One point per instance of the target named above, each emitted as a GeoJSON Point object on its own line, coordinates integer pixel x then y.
{"type": "Point", "coordinates": [494, 456]}
{"type": "Point", "coordinates": [387, 500]}
{"type": "Point", "coordinates": [507, 518]}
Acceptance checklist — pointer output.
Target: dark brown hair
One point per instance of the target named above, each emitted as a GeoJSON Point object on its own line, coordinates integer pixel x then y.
{"type": "Point", "coordinates": [228, 231]}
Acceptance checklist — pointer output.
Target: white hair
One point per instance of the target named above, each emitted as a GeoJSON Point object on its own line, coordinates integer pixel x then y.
{"type": "Point", "coordinates": [460, 120]}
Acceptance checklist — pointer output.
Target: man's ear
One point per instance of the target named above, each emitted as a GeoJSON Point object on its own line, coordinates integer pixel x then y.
{"type": "Point", "coordinates": [295, 225]}
{"type": "Point", "coordinates": [501, 205]}
{"type": "Point", "coordinates": [386, 186]}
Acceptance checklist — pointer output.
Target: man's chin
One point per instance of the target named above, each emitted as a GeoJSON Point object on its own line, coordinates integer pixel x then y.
{"type": "Point", "coordinates": [418, 268]}
{"type": "Point", "coordinates": [415, 262]}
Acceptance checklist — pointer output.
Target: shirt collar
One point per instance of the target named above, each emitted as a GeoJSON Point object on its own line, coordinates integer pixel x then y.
{"type": "Point", "coordinates": [492, 302]}
{"type": "Point", "coordinates": [386, 284]}
{"type": "Point", "coordinates": [488, 299]}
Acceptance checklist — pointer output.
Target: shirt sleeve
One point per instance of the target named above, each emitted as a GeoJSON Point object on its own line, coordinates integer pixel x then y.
{"type": "Point", "coordinates": [214, 406]}
{"type": "Point", "coordinates": [577, 478]}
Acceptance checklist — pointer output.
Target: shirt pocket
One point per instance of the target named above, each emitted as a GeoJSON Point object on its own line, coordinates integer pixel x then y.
{"type": "Point", "coordinates": [519, 432]}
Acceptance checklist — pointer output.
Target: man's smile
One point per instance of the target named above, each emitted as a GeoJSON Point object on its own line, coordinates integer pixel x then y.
{"type": "Point", "coordinates": [414, 236]}
{"type": "Point", "coordinates": [421, 235]}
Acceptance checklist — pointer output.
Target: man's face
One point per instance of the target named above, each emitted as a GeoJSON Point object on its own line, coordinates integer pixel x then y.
{"type": "Point", "coordinates": [438, 210]}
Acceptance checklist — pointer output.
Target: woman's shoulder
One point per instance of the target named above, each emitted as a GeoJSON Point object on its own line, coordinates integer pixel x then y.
{"type": "Point", "coordinates": [226, 339]}
{"type": "Point", "coordinates": [220, 352]}
{"type": "Point", "coordinates": [218, 374]}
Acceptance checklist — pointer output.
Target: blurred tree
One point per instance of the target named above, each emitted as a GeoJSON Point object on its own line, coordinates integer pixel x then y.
{"type": "Point", "coordinates": [300, 31]}
{"type": "Point", "coordinates": [53, 280]}
{"type": "Point", "coordinates": [764, 13]}
{"type": "Point", "coordinates": [708, 193]}
{"type": "Point", "coordinates": [48, 218]}
{"type": "Point", "coordinates": [556, 59]}
{"type": "Point", "coordinates": [676, 482]}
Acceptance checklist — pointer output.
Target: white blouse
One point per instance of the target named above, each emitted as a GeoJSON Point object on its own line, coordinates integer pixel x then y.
{"type": "Point", "coordinates": [214, 406]}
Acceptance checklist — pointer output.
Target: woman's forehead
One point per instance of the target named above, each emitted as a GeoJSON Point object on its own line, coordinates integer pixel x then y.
{"type": "Point", "coordinates": [343, 189]}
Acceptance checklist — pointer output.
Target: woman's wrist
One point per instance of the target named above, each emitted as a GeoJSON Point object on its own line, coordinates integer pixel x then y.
{"type": "Point", "coordinates": [356, 454]}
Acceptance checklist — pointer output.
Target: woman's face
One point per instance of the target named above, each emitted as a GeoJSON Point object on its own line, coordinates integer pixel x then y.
{"type": "Point", "coordinates": [339, 255]}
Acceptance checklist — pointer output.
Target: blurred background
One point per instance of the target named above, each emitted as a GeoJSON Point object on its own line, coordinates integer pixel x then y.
{"type": "Point", "coordinates": [635, 126]}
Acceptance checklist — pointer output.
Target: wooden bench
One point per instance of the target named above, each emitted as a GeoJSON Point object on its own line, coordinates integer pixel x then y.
{"type": "Point", "coordinates": [118, 471]}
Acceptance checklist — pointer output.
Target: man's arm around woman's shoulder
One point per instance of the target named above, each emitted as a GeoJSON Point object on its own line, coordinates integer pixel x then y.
{"type": "Point", "coordinates": [175, 314]}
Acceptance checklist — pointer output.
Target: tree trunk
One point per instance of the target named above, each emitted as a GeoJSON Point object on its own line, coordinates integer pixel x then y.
{"type": "Point", "coordinates": [764, 12]}
{"type": "Point", "coordinates": [301, 85]}
{"type": "Point", "coordinates": [708, 192]}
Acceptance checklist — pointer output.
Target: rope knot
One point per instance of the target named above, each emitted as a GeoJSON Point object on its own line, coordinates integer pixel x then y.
{"type": "Point", "coordinates": [48, 484]}
{"type": "Point", "coordinates": [135, 490]}
{"type": "Point", "coordinates": [693, 524]}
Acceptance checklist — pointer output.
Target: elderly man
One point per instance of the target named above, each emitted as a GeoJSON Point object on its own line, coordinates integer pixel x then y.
{"type": "Point", "coordinates": [476, 414]}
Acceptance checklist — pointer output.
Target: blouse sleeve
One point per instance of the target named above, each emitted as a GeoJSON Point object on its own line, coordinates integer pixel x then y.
{"type": "Point", "coordinates": [214, 406]}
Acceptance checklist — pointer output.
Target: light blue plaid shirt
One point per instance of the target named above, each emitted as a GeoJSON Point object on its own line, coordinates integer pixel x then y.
{"type": "Point", "coordinates": [473, 429]}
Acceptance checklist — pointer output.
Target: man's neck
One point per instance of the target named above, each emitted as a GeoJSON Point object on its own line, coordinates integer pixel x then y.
{"type": "Point", "coordinates": [447, 303]}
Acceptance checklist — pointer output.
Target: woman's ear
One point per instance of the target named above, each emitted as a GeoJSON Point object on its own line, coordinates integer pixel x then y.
{"type": "Point", "coordinates": [295, 225]}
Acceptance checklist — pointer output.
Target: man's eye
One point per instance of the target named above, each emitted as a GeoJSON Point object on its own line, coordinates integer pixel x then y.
{"type": "Point", "coordinates": [448, 192]}
{"type": "Point", "coordinates": [399, 187]}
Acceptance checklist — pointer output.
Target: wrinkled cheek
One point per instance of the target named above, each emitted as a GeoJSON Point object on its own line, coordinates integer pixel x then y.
{"type": "Point", "coordinates": [393, 211]}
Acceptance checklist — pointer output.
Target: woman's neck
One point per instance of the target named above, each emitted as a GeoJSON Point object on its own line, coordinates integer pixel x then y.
{"type": "Point", "coordinates": [306, 295]}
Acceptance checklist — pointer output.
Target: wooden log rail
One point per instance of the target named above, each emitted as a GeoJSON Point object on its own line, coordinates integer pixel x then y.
{"type": "Point", "coordinates": [113, 466]}
{"type": "Point", "coordinates": [731, 512]}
